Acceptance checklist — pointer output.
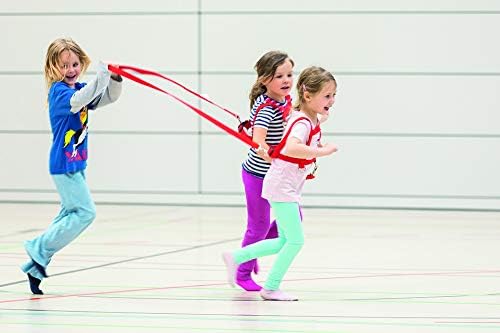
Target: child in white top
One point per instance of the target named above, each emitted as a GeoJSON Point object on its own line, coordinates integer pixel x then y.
{"type": "Point", "coordinates": [284, 181]}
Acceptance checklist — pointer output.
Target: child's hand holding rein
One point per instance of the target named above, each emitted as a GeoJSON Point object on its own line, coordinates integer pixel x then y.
{"type": "Point", "coordinates": [263, 153]}
{"type": "Point", "coordinates": [114, 76]}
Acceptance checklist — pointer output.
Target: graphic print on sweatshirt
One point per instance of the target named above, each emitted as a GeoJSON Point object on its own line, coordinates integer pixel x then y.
{"type": "Point", "coordinates": [75, 139]}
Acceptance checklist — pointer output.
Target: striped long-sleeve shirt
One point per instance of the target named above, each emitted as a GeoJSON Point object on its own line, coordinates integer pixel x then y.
{"type": "Point", "coordinates": [272, 120]}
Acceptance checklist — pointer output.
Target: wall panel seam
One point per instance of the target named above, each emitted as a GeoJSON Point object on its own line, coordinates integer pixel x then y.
{"type": "Point", "coordinates": [325, 133]}
{"type": "Point", "coordinates": [256, 13]}
{"type": "Point", "coordinates": [230, 193]}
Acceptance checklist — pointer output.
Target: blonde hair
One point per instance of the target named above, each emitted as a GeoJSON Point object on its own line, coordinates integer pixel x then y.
{"type": "Point", "coordinates": [266, 68]}
{"type": "Point", "coordinates": [312, 79]}
{"type": "Point", "coordinates": [58, 46]}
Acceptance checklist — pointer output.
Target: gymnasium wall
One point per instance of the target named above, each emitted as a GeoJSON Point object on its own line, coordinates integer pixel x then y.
{"type": "Point", "coordinates": [416, 120]}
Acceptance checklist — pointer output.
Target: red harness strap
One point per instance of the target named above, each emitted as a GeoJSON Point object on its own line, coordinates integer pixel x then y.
{"type": "Point", "coordinates": [152, 73]}
{"type": "Point", "coordinates": [246, 126]}
{"type": "Point", "coordinates": [122, 70]}
{"type": "Point", "coordinates": [275, 152]}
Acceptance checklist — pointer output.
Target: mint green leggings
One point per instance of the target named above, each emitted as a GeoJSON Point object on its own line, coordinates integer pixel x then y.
{"type": "Point", "coordinates": [289, 242]}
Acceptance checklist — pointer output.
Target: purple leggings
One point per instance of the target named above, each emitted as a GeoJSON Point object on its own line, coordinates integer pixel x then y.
{"type": "Point", "coordinates": [259, 224]}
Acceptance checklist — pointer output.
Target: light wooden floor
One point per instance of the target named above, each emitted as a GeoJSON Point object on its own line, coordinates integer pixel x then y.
{"type": "Point", "coordinates": [158, 269]}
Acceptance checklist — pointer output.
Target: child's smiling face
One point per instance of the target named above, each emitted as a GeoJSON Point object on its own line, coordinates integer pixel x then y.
{"type": "Point", "coordinates": [70, 67]}
{"type": "Point", "coordinates": [281, 83]}
{"type": "Point", "coordinates": [323, 100]}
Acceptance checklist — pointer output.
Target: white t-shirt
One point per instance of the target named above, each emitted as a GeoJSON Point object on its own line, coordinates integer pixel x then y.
{"type": "Point", "coordinates": [284, 180]}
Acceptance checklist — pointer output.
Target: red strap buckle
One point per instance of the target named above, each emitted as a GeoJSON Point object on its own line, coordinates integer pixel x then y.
{"type": "Point", "coordinates": [245, 128]}
{"type": "Point", "coordinates": [313, 172]}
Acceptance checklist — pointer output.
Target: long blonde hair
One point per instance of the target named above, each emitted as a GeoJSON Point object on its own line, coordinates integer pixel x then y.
{"type": "Point", "coordinates": [312, 79]}
{"type": "Point", "coordinates": [58, 46]}
{"type": "Point", "coordinates": [266, 68]}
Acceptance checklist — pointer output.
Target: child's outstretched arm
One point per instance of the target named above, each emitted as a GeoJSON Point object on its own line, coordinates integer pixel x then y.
{"type": "Point", "coordinates": [296, 148]}
{"type": "Point", "coordinates": [92, 90]}
{"type": "Point", "coordinates": [111, 94]}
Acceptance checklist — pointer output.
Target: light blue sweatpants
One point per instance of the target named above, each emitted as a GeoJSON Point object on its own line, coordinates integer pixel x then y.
{"type": "Point", "coordinates": [288, 244]}
{"type": "Point", "coordinates": [77, 213]}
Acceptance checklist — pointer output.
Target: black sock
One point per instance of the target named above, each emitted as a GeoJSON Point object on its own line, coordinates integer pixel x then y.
{"type": "Point", "coordinates": [40, 268]}
{"type": "Point", "coordinates": [34, 284]}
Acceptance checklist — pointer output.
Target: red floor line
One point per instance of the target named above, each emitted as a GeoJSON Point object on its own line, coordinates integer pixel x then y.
{"type": "Point", "coordinates": [34, 298]}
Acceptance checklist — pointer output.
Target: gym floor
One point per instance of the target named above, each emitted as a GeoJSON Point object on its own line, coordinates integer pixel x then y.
{"type": "Point", "coordinates": [159, 269]}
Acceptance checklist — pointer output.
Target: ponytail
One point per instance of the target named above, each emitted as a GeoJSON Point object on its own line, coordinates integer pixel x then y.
{"type": "Point", "coordinates": [257, 89]}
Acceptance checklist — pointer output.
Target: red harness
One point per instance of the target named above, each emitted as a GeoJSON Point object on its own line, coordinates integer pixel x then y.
{"type": "Point", "coordinates": [246, 127]}
{"type": "Point", "coordinates": [275, 152]}
{"type": "Point", "coordinates": [123, 70]}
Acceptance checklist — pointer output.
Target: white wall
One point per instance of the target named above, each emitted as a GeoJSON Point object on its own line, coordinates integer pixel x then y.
{"type": "Point", "coordinates": [416, 118]}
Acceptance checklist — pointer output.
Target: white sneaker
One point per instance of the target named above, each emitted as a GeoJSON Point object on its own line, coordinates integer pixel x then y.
{"type": "Point", "coordinates": [231, 267]}
{"type": "Point", "coordinates": [276, 295]}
